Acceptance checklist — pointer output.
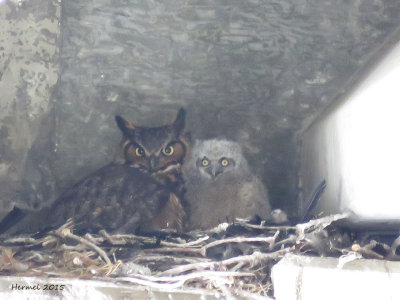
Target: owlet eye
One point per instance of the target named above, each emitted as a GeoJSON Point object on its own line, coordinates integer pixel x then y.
{"type": "Point", "coordinates": [204, 162]}
{"type": "Point", "coordinates": [224, 162]}
{"type": "Point", "coordinates": [139, 151]}
{"type": "Point", "coordinates": [168, 151]}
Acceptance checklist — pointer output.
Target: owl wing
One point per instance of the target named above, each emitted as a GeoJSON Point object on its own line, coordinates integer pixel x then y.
{"type": "Point", "coordinates": [115, 197]}
{"type": "Point", "coordinates": [172, 215]}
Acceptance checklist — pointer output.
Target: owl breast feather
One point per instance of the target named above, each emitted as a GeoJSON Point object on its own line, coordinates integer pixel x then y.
{"type": "Point", "coordinates": [116, 198]}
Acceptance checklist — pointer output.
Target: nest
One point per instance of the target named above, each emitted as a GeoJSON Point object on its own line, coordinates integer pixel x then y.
{"type": "Point", "coordinates": [231, 259]}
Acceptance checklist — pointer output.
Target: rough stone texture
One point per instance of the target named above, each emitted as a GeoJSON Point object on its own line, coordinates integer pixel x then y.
{"type": "Point", "coordinates": [29, 55]}
{"type": "Point", "coordinates": [247, 70]}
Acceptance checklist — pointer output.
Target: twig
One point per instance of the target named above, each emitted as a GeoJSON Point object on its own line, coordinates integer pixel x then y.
{"type": "Point", "coordinates": [224, 289]}
{"type": "Point", "coordinates": [248, 295]}
{"type": "Point", "coordinates": [289, 240]}
{"type": "Point", "coordinates": [245, 223]}
{"type": "Point", "coordinates": [239, 239]}
{"type": "Point", "coordinates": [192, 275]}
{"type": "Point", "coordinates": [174, 249]}
{"type": "Point", "coordinates": [178, 281]}
{"type": "Point", "coordinates": [66, 233]}
{"type": "Point", "coordinates": [202, 251]}
{"type": "Point", "coordinates": [393, 249]}
{"type": "Point", "coordinates": [321, 223]}
{"type": "Point", "coordinates": [177, 260]}
{"type": "Point", "coordinates": [169, 286]}
{"type": "Point", "coordinates": [365, 252]}
{"type": "Point", "coordinates": [183, 245]}
{"type": "Point", "coordinates": [131, 239]}
{"type": "Point", "coordinates": [252, 258]}
{"type": "Point", "coordinates": [19, 240]}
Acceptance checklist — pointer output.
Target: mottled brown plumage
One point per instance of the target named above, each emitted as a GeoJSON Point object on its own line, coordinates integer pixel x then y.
{"type": "Point", "coordinates": [141, 189]}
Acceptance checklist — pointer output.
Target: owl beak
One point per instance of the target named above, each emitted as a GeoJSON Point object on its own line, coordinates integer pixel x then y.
{"type": "Point", "coordinates": [153, 163]}
{"type": "Point", "coordinates": [217, 172]}
{"type": "Point", "coordinates": [214, 172]}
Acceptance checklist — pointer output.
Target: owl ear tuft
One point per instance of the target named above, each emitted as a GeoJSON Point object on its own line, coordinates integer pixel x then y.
{"type": "Point", "coordinates": [179, 122]}
{"type": "Point", "coordinates": [125, 125]}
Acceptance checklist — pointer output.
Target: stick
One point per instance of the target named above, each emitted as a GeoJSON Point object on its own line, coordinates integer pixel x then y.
{"type": "Point", "coordinates": [189, 244]}
{"type": "Point", "coordinates": [66, 233]}
{"type": "Point", "coordinates": [321, 222]}
{"type": "Point", "coordinates": [202, 250]}
{"type": "Point", "coordinates": [178, 281]}
{"type": "Point", "coordinates": [255, 257]}
{"type": "Point", "coordinates": [268, 240]}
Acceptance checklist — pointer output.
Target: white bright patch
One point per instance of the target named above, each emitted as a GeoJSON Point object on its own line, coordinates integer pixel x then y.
{"type": "Point", "coordinates": [368, 131]}
{"type": "Point", "coordinates": [315, 278]}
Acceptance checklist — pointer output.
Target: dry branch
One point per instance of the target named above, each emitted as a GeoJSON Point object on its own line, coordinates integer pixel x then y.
{"type": "Point", "coordinates": [232, 262]}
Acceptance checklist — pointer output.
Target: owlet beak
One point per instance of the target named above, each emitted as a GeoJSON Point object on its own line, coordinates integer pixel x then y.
{"type": "Point", "coordinates": [214, 172]}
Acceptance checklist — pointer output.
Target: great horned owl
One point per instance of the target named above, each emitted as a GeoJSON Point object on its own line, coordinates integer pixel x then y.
{"type": "Point", "coordinates": [142, 188]}
{"type": "Point", "coordinates": [220, 186]}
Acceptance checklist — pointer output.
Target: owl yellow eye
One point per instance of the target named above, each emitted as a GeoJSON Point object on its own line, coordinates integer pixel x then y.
{"type": "Point", "coordinates": [139, 151]}
{"type": "Point", "coordinates": [224, 162]}
{"type": "Point", "coordinates": [204, 162]}
{"type": "Point", "coordinates": [168, 151]}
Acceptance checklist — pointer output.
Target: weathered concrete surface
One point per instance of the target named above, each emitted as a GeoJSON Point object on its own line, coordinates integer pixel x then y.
{"type": "Point", "coordinates": [12, 287]}
{"type": "Point", "coordinates": [29, 56]}
{"type": "Point", "coordinates": [247, 70]}
{"type": "Point", "coordinates": [304, 277]}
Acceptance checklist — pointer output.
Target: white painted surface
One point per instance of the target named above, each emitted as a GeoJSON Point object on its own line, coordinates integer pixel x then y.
{"type": "Point", "coordinates": [356, 148]}
{"type": "Point", "coordinates": [301, 277]}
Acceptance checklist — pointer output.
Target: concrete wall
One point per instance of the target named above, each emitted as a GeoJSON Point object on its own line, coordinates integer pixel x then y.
{"type": "Point", "coordinates": [247, 70]}
{"type": "Point", "coordinates": [29, 61]}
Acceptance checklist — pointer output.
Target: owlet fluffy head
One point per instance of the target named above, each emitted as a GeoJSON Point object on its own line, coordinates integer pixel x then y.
{"type": "Point", "coordinates": [212, 158]}
{"type": "Point", "coordinates": [153, 149]}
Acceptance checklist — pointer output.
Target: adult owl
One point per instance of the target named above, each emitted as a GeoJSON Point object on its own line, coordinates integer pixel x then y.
{"type": "Point", "coordinates": [220, 185]}
{"type": "Point", "coordinates": [141, 189]}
